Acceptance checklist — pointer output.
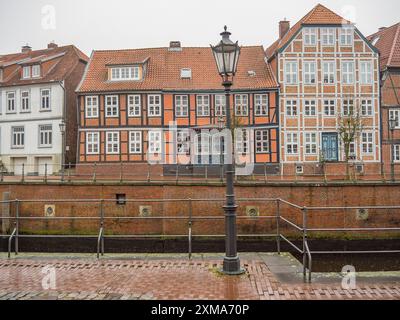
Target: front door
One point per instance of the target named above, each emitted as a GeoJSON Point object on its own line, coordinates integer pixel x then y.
{"type": "Point", "coordinates": [330, 146]}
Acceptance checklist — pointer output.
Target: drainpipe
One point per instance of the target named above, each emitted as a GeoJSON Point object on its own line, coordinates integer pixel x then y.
{"type": "Point", "coordinates": [65, 122]}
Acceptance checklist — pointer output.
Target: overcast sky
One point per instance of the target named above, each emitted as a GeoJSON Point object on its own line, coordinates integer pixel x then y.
{"type": "Point", "coordinates": [118, 24]}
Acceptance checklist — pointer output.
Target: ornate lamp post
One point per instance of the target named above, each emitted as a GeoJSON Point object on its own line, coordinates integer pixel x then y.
{"type": "Point", "coordinates": [226, 55]}
{"type": "Point", "coordinates": [62, 130]}
{"type": "Point", "coordinates": [392, 126]}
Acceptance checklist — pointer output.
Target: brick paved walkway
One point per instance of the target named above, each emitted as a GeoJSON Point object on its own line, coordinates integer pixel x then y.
{"type": "Point", "coordinates": [166, 279]}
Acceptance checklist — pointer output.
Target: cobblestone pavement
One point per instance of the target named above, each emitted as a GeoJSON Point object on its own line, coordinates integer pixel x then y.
{"type": "Point", "coordinates": [167, 279]}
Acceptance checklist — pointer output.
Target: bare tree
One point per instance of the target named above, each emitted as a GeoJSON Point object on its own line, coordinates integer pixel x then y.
{"type": "Point", "coordinates": [350, 126]}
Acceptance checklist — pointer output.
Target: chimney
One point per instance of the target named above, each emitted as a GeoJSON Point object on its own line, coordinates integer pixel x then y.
{"type": "Point", "coordinates": [382, 28]}
{"type": "Point", "coordinates": [175, 46]}
{"type": "Point", "coordinates": [52, 45]}
{"type": "Point", "coordinates": [26, 48]}
{"type": "Point", "coordinates": [284, 27]}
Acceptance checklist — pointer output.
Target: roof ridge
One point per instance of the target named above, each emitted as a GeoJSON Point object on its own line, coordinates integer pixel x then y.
{"type": "Point", "coordinates": [166, 48]}
{"type": "Point", "coordinates": [396, 38]}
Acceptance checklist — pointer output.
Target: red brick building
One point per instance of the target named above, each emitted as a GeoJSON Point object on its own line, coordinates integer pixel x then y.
{"type": "Point", "coordinates": [387, 40]}
{"type": "Point", "coordinates": [128, 99]}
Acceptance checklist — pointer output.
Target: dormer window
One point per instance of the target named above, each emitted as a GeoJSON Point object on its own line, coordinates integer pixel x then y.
{"type": "Point", "coordinates": [26, 72]}
{"type": "Point", "coordinates": [29, 72]}
{"type": "Point", "coordinates": [186, 73]}
{"type": "Point", "coordinates": [35, 71]}
{"type": "Point", "coordinates": [125, 73]}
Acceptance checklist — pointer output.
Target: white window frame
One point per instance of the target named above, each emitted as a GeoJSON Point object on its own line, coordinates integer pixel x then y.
{"type": "Point", "coordinates": [368, 143]}
{"type": "Point", "coordinates": [310, 36]}
{"type": "Point", "coordinates": [11, 102]}
{"type": "Point", "coordinates": [134, 105]}
{"type": "Point", "coordinates": [346, 36]}
{"type": "Point", "coordinates": [112, 140]}
{"type": "Point", "coordinates": [36, 71]}
{"type": "Point", "coordinates": [310, 143]}
{"type": "Point", "coordinates": [26, 72]}
{"type": "Point", "coordinates": [241, 105]}
{"type": "Point", "coordinates": [261, 105]}
{"type": "Point", "coordinates": [328, 36]}
{"type": "Point", "coordinates": [310, 105]}
{"type": "Point", "coordinates": [348, 107]}
{"type": "Point", "coordinates": [395, 114]}
{"type": "Point", "coordinates": [291, 72]}
{"type": "Point", "coordinates": [220, 105]}
{"type": "Point", "coordinates": [329, 72]}
{"type": "Point", "coordinates": [45, 99]}
{"type": "Point", "coordinates": [261, 138]}
{"type": "Point", "coordinates": [18, 136]}
{"type": "Point", "coordinates": [181, 106]}
{"type": "Point", "coordinates": [366, 72]}
{"type": "Point", "coordinates": [347, 72]}
{"type": "Point", "coordinates": [367, 107]}
{"type": "Point", "coordinates": [309, 72]}
{"type": "Point", "coordinates": [183, 142]}
{"type": "Point", "coordinates": [328, 106]}
{"type": "Point", "coordinates": [203, 105]}
{"type": "Point", "coordinates": [25, 101]}
{"type": "Point", "coordinates": [91, 106]}
{"type": "Point", "coordinates": [125, 73]}
{"type": "Point", "coordinates": [155, 141]}
{"type": "Point", "coordinates": [45, 135]}
{"type": "Point", "coordinates": [112, 106]}
{"type": "Point", "coordinates": [396, 153]}
{"type": "Point", "coordinates": [242, 138]}
{"type": "Point", "coordinates": [291, 108]}
{"type": "Point", "coordinates": [135, 142]}
{"type": "Point", "coordinates": [154, 107]}
{"type": "Point", "coordinates": [292, 143]}
{"type": "Point", "coordinates": [93, 140]}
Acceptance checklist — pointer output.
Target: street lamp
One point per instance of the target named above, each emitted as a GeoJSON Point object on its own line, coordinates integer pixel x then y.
{"type": "Point", "coordinates": [226, 54]}
{"type": "Point", "coordinates": [392, 126]}
{"type": "Point", "coordinates": [62, 130]}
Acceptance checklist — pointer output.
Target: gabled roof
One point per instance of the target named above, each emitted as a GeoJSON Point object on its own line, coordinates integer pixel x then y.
{"type": "Point", "coordinates": [60, 60]}
{"type": "Point", "coordinates": [387, 41]}
{"type": "Point", "coordinates": [164, 66]}
{"type": "Point", "coordinates": [319, 15]}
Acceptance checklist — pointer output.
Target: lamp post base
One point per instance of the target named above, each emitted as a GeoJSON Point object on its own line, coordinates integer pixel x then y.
{"type": "Point", "coordinates": [231, 266]}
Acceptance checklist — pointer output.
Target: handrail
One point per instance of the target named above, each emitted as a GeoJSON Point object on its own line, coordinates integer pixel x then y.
{"type": "Point", "coordinates": [309, 260]}
{"type": "Point", "coordinates": [99, 238]}
{"type": "Point", "coordinates": [9, 241]}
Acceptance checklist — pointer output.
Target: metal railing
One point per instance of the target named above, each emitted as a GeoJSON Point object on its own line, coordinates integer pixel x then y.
{"type": "Point", "coordinates": [287, 216]}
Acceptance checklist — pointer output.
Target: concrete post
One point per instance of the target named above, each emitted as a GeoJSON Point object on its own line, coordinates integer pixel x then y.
{"type": "Point", "coordinates": [5, 214]}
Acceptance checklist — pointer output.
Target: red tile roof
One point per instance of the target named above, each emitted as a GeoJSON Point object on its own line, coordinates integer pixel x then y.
{"type": "Point", "coordinates": [164, 67]}
{"type": "Point", "coordinates": [60, 60]}
{"type": "Point", "coordinates": [319, 15]}
{"type": "Point", "coordinates": [387, 41]}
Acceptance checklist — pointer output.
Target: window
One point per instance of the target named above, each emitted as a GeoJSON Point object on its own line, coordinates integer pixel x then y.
{"type": "Point", "coordinates": [25, 103]}
{"type": "Point", "coordinates": [291, 72]}
{"type": "Point", "coordinates": [154, 141]}
{"type": "Point", "coordinates": [112, 142]}
{"type": "Point", "coordinates": [45, 135]}
{"type": "Point", "coordinates": [112, 106]}
{"type": "Point", "coordinates": [92, 107]}
{"type": "Point", "coordinates": [348, 72]}
{"type": "Point", "coordinates": [311, 143]}
{"type": "Point", "coordinates": [26, 72]}
{"type": "Point", "coordinates": [220, 105]}
{"type": "Point", "coordinates": [309, 108]}
{"type": "Point", "coordinates": [291, 143]}
{"type": "Point", "coordinates": [291, 108]}
{"type": "Point", "coordinates": [366, 107]}
{"type": "Point", "coordinates": [35, 71]}
{"type": "Point", "coordinates": [262, 141]}
{"type": "Point", "coordinates": [352, 150]}
{"type": "Point", "coordinates": [329, 108]}
{"type": "Point", "coordinates": [395, 114]}
{"type": "Point", "coordinates": [186, 73]}
{"type": "Point", "coordinates": [11, 102]}
{"type": "Point", "coordinates": [348, 107]}
{"type": "Point", "coordinates": [241, 104]}
{"type": "Point", "coordinates": [124, 73]}
{"type": "Point", "coordinates": [367, 143]}
{"type": "Point", "coordinates": [310, 36]}
{"type": "Point", "coordinates": [346, 36]}
{"type": "Point", "coordinates": [134, 105]}
{"type": "Point", "coordinates": [183, 142]}
{"type": "Point", "coordinates": [18, 137]}
{"type": "Point", "coordinates": [135, 142]}
{"type": "Point", "coordinates": [328, 36]}
{"type": "Point", "coordinates": [396, 153]}
{"type": "Point", "coordinates": [154, 105]}
{"type": "Point", "coordinates": [366, 72]}
{"type": "Point", "coordinates": [328, 69]}
{"type": "Point", "coordinates": [242, 141]}
{"type": "Point", "coordinates": [181, 106]}
{"type": "Point", "coordinates": [203, 105]}
{"type": "Point", "coordinates": [309, 72]}
{"type": "Point", "coordinates": [45, 99]}
{"type": "Point", "coordinates": [202, 144]}
{"type": "Point", "coordinates": [261, 104]}
{"type": "Point", "coordinates": [92, 142]}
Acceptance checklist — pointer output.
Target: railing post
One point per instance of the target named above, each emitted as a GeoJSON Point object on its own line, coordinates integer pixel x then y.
{"type": "Point", "coordinates": [278, 231]}
{"type": "Point", "coordinates": [222, 172]}
{"type": "Point", "coordinates": [2, 175]}
{"type": "Point", "coordinates": [16, 225]}
{"type": "Point", "coordinates": [120, 173]}
{"type": "Point", "coordinates": [102, 225]}
{"type": "Point", "coordinates": [45, 173]}
{"type": "Point", "coordinates": [190, 229]}
{"type": "Point", "coordinates": [23, 173]}
{"type": "Point", "coordinates": [62, 172]}
{"type": "Point", "coordinates": [265, 174]}
{"type": "Point", "coordinates": [69, 171]}
{"type": "Point", "coordinates": [148, 172]}
{"type": "Point", "coordinates": [94, 172]}
{"type": "Point", "coordinates": [177, 173]}
{"type": "Point", "coordinates": [304, 211]}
